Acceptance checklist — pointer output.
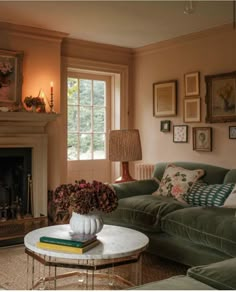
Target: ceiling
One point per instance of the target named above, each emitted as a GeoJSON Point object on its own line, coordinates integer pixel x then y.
{"type": "Point", "coordinates": [129, 24]}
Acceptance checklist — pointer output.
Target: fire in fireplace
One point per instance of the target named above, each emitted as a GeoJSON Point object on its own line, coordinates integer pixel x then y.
{"type": "Point", "coordinates": [15, 174]}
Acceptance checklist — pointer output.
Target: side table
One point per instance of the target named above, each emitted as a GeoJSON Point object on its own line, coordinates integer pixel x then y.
{"type": "Point", "coordinates": [118, 246]}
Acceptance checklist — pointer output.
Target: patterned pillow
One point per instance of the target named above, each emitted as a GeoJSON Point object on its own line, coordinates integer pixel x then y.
{"type": "Point", "coordinates": [208, 195]}
{"type": "Point", "coordinates": [176, 181]}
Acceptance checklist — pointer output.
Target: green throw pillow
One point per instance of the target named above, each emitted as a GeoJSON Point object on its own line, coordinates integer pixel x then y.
{"type": "Point", "coordinates": [208, 195]}
{"type": "Point", "coordinates": [220, 275]}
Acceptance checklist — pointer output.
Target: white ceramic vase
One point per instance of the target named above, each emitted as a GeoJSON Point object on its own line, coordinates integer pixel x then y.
{"type": "Point", "coordinates": [86, 224]}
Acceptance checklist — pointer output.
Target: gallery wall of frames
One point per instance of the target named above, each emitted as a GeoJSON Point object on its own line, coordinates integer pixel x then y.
{"type": "Point", "coordinates": [220, 101]}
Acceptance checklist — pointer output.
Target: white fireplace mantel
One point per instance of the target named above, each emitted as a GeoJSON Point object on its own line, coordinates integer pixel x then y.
{"type": "Point", "coordinates": [25, 119]}
{"type": "Point", "coordinates": [28, 129]}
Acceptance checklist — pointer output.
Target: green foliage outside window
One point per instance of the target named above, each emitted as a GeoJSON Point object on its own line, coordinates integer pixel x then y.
{"type": "Point", "coordinates": [86, 118]}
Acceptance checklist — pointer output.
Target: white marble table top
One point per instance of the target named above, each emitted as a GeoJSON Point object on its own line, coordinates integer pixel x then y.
{"type": "Point", "coordinates": [115, 242]}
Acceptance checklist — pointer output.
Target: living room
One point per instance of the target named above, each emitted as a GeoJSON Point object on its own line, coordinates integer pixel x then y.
{"type": "Point", "coordinates": [49, 52]}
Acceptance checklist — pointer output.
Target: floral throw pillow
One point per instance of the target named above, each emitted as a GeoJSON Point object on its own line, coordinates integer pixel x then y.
{"type": "Point", "coordinates": [177, 181]}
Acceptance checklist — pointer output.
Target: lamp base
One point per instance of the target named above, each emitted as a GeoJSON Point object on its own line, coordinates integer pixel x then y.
{"type": "Point", "coordinates": [125, 177]}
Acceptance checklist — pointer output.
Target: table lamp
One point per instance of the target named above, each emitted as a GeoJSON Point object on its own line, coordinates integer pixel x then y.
{"type": "Point", "coordinates": [124, 146]}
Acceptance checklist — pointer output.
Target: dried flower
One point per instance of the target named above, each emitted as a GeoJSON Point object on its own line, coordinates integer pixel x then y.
{"type": "Point", "coordinates": [6, 68]}
{"type": "Point", "coordinates": [33, 101]}
{"type": "Point", "coordinates": [84, 197]}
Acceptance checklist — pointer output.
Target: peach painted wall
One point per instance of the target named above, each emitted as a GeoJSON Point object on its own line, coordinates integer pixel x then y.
{"type": "Point", "coordinates": [41, 65]}
{"type": "Point", "coordinates": [209, 52]}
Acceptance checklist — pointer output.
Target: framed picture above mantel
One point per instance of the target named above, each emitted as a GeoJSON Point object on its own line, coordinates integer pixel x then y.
{"type": "Point", "coordinates": [221, 97]}
{"type": "Point", "coordinates": [11, 77]}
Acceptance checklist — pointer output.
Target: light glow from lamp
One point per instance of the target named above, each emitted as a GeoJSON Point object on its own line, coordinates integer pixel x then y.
{"type": "Point", "coordinates": [124, 146]}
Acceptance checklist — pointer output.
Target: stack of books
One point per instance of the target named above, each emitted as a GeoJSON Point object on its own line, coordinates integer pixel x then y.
{"type": "Point", "coordinates": [74, 245]}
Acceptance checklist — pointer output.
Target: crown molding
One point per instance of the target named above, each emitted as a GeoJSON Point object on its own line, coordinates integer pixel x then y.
{"type": "Point", "coordinates": [153, 48]}
{"type": "Point", "coordinates": [32, 32]}
{"type": "Point", "coordinates": [93, 46]}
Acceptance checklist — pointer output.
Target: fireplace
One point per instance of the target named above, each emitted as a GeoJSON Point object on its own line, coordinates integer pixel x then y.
{"type": "Point", "coordinates": [15, 183]}
{"type": "Point", "coordinates": [23, 172]}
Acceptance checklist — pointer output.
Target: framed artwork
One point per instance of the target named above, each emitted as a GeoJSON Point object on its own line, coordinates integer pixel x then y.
{"type": "Point", "coordinates": [164, 98]}
{"type": "Point", "coordinates": [221, 98]}
{"type": "Point", "coordinates": [202, 138]}
{"type": "Point", "coordinates": [165, 126]}
{"type": "Point", "coordinates": [232, 132]}
{"type": "Point", "coordinates": [192, 110]}
{"type": "Point", "coordinates": [192, 84]}
{"type": "Point", "coordinates": [10, 77]}
{"type": "Point", "coordinates": [180, 134]}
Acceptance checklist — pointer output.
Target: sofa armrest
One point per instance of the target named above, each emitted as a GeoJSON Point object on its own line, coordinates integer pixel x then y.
{"type": "Point", "coordinates": [135, 188]}
{"type": "Point", "coordinates": [220, 275]}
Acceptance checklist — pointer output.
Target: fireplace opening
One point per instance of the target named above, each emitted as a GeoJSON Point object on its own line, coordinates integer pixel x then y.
{"type": "Point", "coordinates": [15, 183]}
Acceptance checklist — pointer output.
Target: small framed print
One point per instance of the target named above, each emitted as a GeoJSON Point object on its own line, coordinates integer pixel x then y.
{"type": "Point", "coordinates": [165, 126]}
{"type": "Point", "coordinates": [232, 132]}
{"type": "Point", "coordinates": [192, 84]}
{"type": "Point", "coordinates": [180, 134]}
{"type": "Point", "coordinates": [164, 98]}
{"type": "Point", "coordinates": [202, 139]}
{"type": "Point", "coordinates": [192, 110]}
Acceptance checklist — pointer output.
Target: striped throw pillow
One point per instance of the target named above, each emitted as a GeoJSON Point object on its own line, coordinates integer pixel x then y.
{"type": "Point", "coordinates": [208, 195]}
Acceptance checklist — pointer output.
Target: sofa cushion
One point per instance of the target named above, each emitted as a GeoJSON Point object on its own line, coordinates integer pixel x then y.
{"type": "Point", "coordinates": [230, 202]}
{"type": "Point", "coordinates": [176, 181]}
{"type": "Point", "coordinates": [213, 227]}
{"type": "Point", "coordinates": [213, 174]}
{"type": "Point", "coordinates": [142, 212]}
{"type": "Point", "coordinates": [220, 275]}
{"type": "Point", "coordinates": [208, 195]}
{"type": "Point", "coordinates": [174, 283]}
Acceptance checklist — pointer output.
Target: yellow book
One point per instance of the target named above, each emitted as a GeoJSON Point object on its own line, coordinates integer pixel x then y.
{"type": "Point", "coordinates": [63, 248]}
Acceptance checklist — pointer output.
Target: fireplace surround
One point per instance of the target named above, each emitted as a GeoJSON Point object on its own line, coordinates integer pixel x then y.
{"type": "Point", "coordinates": [26, 131]}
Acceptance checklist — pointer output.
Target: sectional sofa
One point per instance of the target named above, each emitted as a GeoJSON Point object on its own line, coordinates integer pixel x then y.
{"type": "Point", "coordinates": [202, 237]}
{"type": "Point", "coordinates": [192, 235]}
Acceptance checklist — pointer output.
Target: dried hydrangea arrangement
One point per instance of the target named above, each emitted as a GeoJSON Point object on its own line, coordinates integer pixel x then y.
{"type": "Point", "coordinates": [84, 197]}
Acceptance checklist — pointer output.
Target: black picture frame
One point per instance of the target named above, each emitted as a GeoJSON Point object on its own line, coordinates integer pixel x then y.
{"type": "Point", "coordinates": [180, 134]}
{"type": "Point", "coordinates": [165, 126]}
{"type": "Point", "coordinates": [232, 132]}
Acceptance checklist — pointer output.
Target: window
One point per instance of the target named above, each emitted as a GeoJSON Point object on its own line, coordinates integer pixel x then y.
{"type": "Point", "coordinates": [86, 118]}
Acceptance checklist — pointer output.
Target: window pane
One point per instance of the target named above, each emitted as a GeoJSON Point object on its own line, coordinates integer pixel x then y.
{"type": "Point", "coordinates": [72, 147]}
{"type": "Point", "coordinates": [72, 93]}
{"type": "Point", "coordinates": [99, 119]}
{"type": "Point", "coordinates": [85, 146]}
{"type": "Point", "coordinates": [99, 92]}
{"type": "Point", "coordinates": [72, 118]}
{"type": "Point", "coordinates": [99, 146]}
{"type": "Point", "coordinates": [85, 90]}
{"type": "Point", "coordinates": [85, 119]}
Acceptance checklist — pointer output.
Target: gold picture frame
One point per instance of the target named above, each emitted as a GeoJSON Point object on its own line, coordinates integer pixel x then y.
{"type": "Point", "coordinates": [221, 98]}
{"type": "Point", "coordinates": [164, 98]}
{"type": "Point", "coordinates": [11, 77]}
{"type": "Point", "coordinates": [192, 110]}
{"type": "Point", "coordinates": [192, 84]}
{"type": "Point", "coordinates": [202, 139]}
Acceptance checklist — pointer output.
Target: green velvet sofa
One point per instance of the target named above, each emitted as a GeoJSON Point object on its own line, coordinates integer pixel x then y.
{"type": "Point", "coordinates": [217, 276]}
{"type": "Point", "coordinates": [189, 235]}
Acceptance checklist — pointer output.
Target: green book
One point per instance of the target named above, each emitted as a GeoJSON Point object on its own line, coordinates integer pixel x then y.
{"type": "Point", "coordinates": [66, 242]}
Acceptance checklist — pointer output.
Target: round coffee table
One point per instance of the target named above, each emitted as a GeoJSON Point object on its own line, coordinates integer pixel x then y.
{"type": "Point", "coordinates": [118, 246]}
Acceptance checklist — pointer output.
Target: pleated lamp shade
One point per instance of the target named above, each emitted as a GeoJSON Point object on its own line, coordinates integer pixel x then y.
{"type": "Point", "coordinates": [124, 146]}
